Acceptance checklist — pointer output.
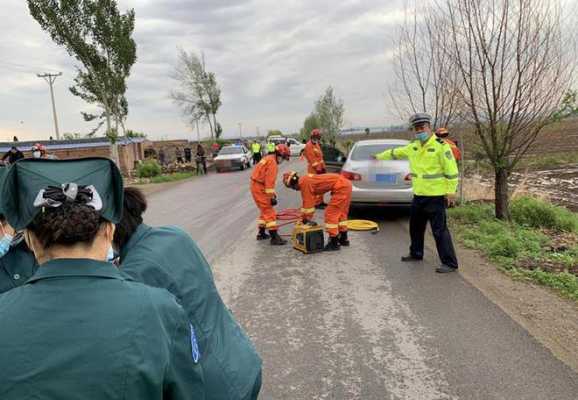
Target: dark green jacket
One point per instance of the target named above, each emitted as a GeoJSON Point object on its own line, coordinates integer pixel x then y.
{"type": "Point", "coordinates": [16, 267]}
{"type": "Point", "coordinates": [79, 330]}
{"type": "Point", "coordinates": [168, 258]}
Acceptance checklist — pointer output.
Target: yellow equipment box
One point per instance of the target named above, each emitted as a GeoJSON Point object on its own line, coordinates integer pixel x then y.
{"type": "Point", "coordinates": [308, 238]}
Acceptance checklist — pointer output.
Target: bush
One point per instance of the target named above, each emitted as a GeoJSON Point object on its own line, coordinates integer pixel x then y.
{"type": "Point", "coordinates": [149, 169]}
{"type": "Point", "coordinates": [472, 213]}
{"type": "Point", "coordinates": [504, 246]}
{"type": "Point", "coordinates": [535, 213]}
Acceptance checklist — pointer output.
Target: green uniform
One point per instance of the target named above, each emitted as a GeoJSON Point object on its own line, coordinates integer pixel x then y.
{"type": "Point", "coordinates": [79, 330]}
{"type": "Point", "coordinates": [16, 267]}
{"type": "Point", "coordinates": [432, 165]}
{"type": "Point", "coordinates": [168, 258]}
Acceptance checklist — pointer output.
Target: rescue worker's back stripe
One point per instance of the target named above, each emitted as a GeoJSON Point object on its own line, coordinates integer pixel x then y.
{"type": "Point", "coordinates": [308, 210]}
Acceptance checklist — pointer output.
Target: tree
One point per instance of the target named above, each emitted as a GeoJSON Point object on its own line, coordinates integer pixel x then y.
{"type": "Point", "coordinates": [274, 132]}
{"type": "Point", "coordinates": [310, 123]}
{"type": "Point", "coordinates": [513, 69]}
{"type": "Point", "coordinates": [329, 111]}
{"type": "Point", "coordinates": [198, 93]}
{"type": "Point", "coordinates": [100, 37]}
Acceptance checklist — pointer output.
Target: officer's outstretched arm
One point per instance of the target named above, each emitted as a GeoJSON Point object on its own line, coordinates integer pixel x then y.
{"type": "Point", "coordinates": [398, 153]}
{"type": "Point", "coordinates": [450, 168]}
{"type": "Point", "coordinates": [184, 378]}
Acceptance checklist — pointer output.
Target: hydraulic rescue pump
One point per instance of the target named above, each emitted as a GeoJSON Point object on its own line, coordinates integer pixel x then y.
{"type": "Point", "coordinates": [308, 238]}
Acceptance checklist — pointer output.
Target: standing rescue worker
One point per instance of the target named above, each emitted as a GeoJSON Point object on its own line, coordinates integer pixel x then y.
{"type": "Point", "coordinates": [312, 186]}
{"type": "Point", "coordinates": [444, 134]}
{"type": "Point", "coordinates": [263, 190]}
{"type": "Point", "coordinates": [434, 180]}
{"type": "Point", "coordinates": [256, 150]}
{"type": "Point", "coordinates": [166, 257]}
{"type": "Point", "coordinates": [315, 162]}
{"type": "Point", "coordinates": [79, 329]}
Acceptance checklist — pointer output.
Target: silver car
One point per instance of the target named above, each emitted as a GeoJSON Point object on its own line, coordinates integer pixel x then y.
{"type": "Point", "coordinates": [232, 157]}
{"type": "Point", "coordinates": [378, 182]}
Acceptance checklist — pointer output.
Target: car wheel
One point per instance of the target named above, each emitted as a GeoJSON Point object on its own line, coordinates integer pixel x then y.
{"type": "Point", "coordinates": [242, 167]}
{"type": "Point", "coordinates": [218, 171]}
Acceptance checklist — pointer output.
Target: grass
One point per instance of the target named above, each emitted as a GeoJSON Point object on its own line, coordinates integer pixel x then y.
{"type": "Point", "coordinates": [177, 176]}
{"type": "Point", "coordinates": [540, 244]}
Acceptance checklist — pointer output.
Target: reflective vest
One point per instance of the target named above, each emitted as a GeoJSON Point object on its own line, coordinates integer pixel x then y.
{"type": "Point", "coordinates": [270, 147]}
{"type": "Point", "coordinates": [256, 148]}
{"type": "Point", "coordinates": [434, 171]}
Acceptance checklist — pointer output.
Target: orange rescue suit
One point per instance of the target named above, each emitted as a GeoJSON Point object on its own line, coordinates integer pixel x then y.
{"type": "Point", "coordinates": [455, 150]}
{"type": "Point", "coordinates": [263, 190]}
{"type": "Point", "coordinates": [315, 162]}
{"type": "Point", "coordinates": [337, 210]}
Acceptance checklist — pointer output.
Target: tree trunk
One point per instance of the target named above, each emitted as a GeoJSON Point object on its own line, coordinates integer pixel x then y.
{"type": "Point", "coordinates": [502, 203]}
{"type": "Point", "coordinates": [113, 146]}
{"type": "Point", "coordinates": [211, 127]}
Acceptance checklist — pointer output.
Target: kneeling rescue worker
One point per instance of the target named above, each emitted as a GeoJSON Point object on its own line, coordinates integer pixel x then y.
{"type": "Point", "coordinates": [312, 186]}
{"type": "Point", "coordinates": [263, 190]}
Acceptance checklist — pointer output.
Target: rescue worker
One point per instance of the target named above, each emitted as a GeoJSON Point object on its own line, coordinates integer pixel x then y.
{"type": "Point", "coordinates": [263, 182]}
{"type": "Point", "coordinates": [79, 329]}
{"type": "Point", "coordinates": [434, 181]}
{"type": "Point", "coordinates": [336, 212]}
{"type": "Point", "coordinates": [315, 162]}
{"type": "Point", "coordinates": [167, 258]}
{"type": "Point", "coordinates": [444, 134]}
{"type": "Point", "coordinates": [256, 150]}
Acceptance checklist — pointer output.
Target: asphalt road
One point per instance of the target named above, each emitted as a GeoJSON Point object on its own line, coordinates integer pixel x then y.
{"type": "Point", "coordinates": [358, 324]}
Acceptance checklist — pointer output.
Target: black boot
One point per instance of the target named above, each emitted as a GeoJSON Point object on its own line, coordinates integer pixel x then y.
{"type": "Point", "coordinates": [321, 206]}
{"type": "Point", "coordinates": [333, 244]}
{"type": "Point", "coordinates": [276, 240]}
{"type": "Point", "coordinates": [262, 235]}
{"type": "Point", "coordinates": [410, 258]}
{"type": "Point", "coordinates": [343, 239]}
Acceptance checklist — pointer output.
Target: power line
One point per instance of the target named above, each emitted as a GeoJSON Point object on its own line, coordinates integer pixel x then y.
{"type": "Point", "coordinates": [50, 78]}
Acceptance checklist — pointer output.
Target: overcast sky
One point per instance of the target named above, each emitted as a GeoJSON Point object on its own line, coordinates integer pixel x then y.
{"type": "Point", "coordinates": [272, 60]}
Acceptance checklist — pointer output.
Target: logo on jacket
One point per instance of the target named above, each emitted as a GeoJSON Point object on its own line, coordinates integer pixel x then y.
{"type": "Point", "coordinates": [196, 353]}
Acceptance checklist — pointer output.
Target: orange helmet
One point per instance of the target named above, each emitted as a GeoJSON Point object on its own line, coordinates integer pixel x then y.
{"type": "Point", "coordinates": [442, 132]}
{"type": "Point", "coordinates": [39, 147]}
{"type": "Point", "coordinates": [316, 133]}
{"type": "Point", "coordinates": [283, 151]}
{"type": "Point", "coordinates": [290, 178]}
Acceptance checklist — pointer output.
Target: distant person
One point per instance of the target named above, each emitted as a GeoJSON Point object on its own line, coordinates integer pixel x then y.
{"type": "Point", "coordinates": [188, 155]}
{"type": "Point", "coordinates": [167, 258]}
{"type": "Point", "coordinates": [15, 139]}
{"type": "Point", "coordinates": [162, 156]}
{"type": "Point", "coordinates": [179, 155]}
{"type": "Point", "coordinates": [91, 332]}
{"type": "Point", "coordinates": [434, 181]}
{"type": "Point", "coordinates": [39, 151]}
{"type": "Point", "coordinates": [444, 134]}
{"type": "Point", "coordinates": [201, 159]}
{"type": "Point", "coordinates": [13, 155]}
{"type": "Point", "coordinates": [215, 149]}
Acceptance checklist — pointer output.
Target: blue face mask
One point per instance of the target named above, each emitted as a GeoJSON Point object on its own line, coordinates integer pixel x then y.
{"type": "Point", "coordinates": [110, 255]}
{"type": "Point", "coordinates": [422, 136]}
{"type": "Point", "coordinates": [5, 243]}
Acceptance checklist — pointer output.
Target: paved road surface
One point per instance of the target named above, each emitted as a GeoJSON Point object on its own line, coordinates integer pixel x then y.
{"type": "Point", "coordinates": [358, 324]}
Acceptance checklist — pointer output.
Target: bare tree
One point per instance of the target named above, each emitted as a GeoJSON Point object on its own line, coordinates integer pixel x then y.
{"type": "Point", "coordinates": [514, 69]}
{"type": "Point", "coordinates": [425, 78]}
{"type": "Point", "coordinates": [329, 111]}
{"type": "Point", "coordinates": [198, 93]}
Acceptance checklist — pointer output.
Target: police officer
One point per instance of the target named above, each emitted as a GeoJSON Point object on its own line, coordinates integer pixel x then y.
{"type": "Point", "coordinates": [78, 329]}
{"type": "Point", "coordinates": [166, 257]}
{"type": "Point", "coordinates": [256, 150]}
{"type": "Point", "coordinates": [434, 180]}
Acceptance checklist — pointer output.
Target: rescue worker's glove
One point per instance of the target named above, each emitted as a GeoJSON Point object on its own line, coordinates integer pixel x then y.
{"type": "Point", "coordinates": [274, 201]}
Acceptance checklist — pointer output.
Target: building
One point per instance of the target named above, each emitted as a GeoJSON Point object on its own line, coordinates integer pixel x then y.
{"type": "Point", "coordinates": [130, 150]}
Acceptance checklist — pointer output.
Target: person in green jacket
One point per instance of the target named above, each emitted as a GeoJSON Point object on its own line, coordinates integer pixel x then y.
{"type": "Point", "coordinates": [17, 263]}
{"type": "Point", "coordinates": [167, 257]}
{"type": "Point", "coordinates": [78, 329]}
{"type": "Point", "coordinates": [434, 179]}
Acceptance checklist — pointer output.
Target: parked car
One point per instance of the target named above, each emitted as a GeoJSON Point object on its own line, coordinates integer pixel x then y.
{"type": "Point", "coordinates": [334, 158]}
{"type": "Point", "coordinates": [375, 182]}
{"type": "Point", "coordinates": [295, 146]}
{"type": "Point", "coordinates": [232, 157]}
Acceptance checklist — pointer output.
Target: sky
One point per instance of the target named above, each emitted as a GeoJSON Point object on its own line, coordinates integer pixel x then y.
{"type": "Point", "coordinates": [272, 60]}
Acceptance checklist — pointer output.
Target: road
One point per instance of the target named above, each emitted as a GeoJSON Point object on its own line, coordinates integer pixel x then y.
{"type": "Point", "coordinates": [358, 324]}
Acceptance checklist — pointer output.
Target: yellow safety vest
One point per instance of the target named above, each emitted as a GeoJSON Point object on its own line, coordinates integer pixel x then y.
{"type": "Point", "coordinates": [433, 168]}
{"type": "Point", "coordinates": [256, 147]}
{"type": "Point", "coordinates": [270, 147]}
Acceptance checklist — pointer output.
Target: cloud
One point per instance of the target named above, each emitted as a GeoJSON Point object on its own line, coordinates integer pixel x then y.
{"type": "Point", "coordinates": [272, 61]}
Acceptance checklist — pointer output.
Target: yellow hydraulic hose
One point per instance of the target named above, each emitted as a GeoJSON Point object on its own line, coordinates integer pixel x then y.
{"type": "Point", "coordinates": [362, 225]}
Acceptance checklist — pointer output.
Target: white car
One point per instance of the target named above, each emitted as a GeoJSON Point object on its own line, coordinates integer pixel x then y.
{"type": "Point", "coordinates": [295, 146]}
{"type": "Point", "coordinates": [378, 183]}
{"type": "Point", "coordinates": [232, 157]}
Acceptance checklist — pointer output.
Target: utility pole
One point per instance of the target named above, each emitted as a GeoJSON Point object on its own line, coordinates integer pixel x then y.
{"type": "Point", "coordinates": [258, 133]}
{"type": "Point", "coordinates": [50, 78]}
{"type": "Point", "coordinates": [198, 132]}
{"type": "Point", "coordinates": [240, 131]}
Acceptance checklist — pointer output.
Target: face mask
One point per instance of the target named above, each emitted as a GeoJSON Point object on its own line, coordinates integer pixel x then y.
{"type": "Point", "coordinates": [110, 255]}
{"type": "Point", "coordinates": [422, 136]}
{"type": "Point", "coordinates": [5, 243]}
{"type": "Point", "coordinates": [36, 154]}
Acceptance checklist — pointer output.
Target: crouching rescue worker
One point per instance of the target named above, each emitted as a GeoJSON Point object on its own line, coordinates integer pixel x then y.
{"type": "Point", "coordinates": [91, 333]}
{"type": "Point", "coordinates": [315, 162]}
{"type": "Point", "coordinates": [337, 210]}
{"type": "Point", "coordinates": [434, 181]}
{"type": "Point", "coordinates": [167, 258]}
{"type": "Point", "coordinates": [263, 190]}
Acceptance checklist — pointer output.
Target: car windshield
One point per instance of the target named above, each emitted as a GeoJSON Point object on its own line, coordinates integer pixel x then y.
{"type": "Point", "coordinates": [364, 152]}
{"type": "Point", "coordinates": [231, 150]}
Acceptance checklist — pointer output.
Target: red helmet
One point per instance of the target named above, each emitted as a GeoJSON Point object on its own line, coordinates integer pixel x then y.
{"type": "Point", "coordinates": [289, 178]}
{"type": "Point", "coordinates": [316, 133]}
{"type": "Point", "coordinates": [283, 151]}
{"type": "Point", "coordinates": [39, 147]}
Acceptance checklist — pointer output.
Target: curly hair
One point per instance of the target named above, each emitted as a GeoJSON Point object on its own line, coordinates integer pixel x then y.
{"type": "Point", "coordinates": [68, 224]}
{"type": "Point", "coordinates": [135, 204]}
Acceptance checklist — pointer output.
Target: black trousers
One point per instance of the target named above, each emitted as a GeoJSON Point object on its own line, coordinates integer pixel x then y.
{"type": "Point", "coordinates": [256, 158]}
{"type": "Point", "coordinates": [432, 209]}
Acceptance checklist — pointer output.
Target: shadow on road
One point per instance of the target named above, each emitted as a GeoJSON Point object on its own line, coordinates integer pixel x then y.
{"type": "Point", "coordinates": [380, 214]}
